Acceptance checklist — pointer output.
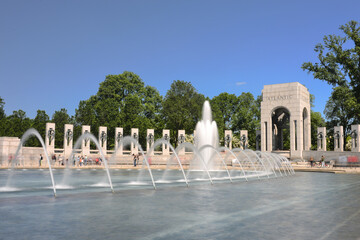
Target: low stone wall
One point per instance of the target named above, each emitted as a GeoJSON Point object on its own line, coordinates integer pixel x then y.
{"type": "Point", "coordinates": [329, 155]}
{"type": "Point", "coordinates": [30, 156]}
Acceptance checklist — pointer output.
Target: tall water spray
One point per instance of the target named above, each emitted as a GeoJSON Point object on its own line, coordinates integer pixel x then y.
{"type": "Point", "coordinates": [206, 134]}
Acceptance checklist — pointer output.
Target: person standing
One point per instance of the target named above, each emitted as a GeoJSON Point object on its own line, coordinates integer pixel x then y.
{"type": "Point", "coordinates": [134, 156]}
{"type": "Point", "coordinates": [322, 161]}
{"type": "Point", "coordinates": [41, 158]}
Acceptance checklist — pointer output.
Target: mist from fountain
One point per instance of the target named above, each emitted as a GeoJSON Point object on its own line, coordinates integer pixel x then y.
{"type": "Point", "coordinates": [76, 145]}
{"type": "Point", "coordinates": [31, 132]}
{"type": "Point", "coordinates": [206, 134]}
{"type": "Point", "coordinates": [128, 140]}
{"type": "Point", "coordinates": [175, 153]}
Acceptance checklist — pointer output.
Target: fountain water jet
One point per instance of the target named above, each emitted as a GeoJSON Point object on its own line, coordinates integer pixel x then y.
{"type": "Point", "coordinates": [204, 147]}
{"type": "Point", "coordinates": [92, 138]}
{"type": "Point", "coordinates": [128, 140]}
{"type": "Point", "coordinates": [162, 141]}
{"type": "Point", "coordinates": [206, 133]}
{"type": "Point", "coordinates": [32, 132]}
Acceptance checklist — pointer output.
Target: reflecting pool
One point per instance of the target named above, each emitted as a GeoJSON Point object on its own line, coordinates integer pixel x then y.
{"type": "Point", "coordinates": [304, 206]}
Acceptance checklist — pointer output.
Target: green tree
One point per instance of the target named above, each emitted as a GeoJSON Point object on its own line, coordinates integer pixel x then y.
{"type": "Point", "coordinates": [182, 107]}
{"type": "Point", "coordinates": [341, 109]}
{"type": "Point", "coordinates": [122, 101]}
{"type": "Point", "coordinates": [60, 118]}
{"type": "Point", "coordinates": [224, 108]}
{"type": "Point", "coordinates": [2, 110]}
{"type": "Point", "coordinates": [39, 123]}
{"type": "Point", "coordinates": [339, 65]}
{"type": "Point", "coordinates": [316, 121]}
{"type": "Point", "coordinates": [247, 116]}
{"type": "Point", "coordinates": [16, 124]}
{"type": "Point", "coordinates": [2, 117]}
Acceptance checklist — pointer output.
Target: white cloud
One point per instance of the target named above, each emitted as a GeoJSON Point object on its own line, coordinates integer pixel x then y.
{"type": "Point", "coordinates": [240, 83]}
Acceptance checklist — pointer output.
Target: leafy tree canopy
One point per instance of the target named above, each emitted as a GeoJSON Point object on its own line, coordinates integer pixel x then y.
{"type": "Point", "coordinates": [122, 101]}
{"type": "Point", "coordinates": [341, 108]}
{"type": "Point", "coordinates": [17, 123]}
{"type": "Point", "coordinates": [60, 118]}
{"type": "Point", "coordinates": [182, 107]}
{"type": "Point", "coordinates": [2, 110]}
{"type": "Point", "coordinates": [339, 59]}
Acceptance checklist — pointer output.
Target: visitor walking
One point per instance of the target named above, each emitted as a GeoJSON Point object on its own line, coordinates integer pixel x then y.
{"type": "Point", "coordinates": [54, 159]}
{"type": "Point", "coordinates": [311, 161]}
{"type": "Point", "coordinates": [322, 161]}
{"type": "Point", "coordinates": [134, 156]}
{"type": "Point", "coordinates": [61, 160]}
{"type": "Point", "coordinates": [41, 158]}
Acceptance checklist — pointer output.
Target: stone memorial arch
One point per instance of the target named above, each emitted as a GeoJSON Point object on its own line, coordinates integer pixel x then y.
{"type": "Point", "coordinates": [285, 118]}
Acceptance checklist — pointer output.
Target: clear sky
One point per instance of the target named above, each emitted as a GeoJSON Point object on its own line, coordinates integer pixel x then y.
{"type": "Point", "coordinates": [55, 53]}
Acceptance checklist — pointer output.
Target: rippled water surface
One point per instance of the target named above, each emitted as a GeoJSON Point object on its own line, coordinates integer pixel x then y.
{"type": "Point", "coordinates": [303, 206]}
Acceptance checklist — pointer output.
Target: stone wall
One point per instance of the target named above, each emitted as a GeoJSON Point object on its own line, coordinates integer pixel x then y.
{"type": "Point", "coordinates": [329, 155]}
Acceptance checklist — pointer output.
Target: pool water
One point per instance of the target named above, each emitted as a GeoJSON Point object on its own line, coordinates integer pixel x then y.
{"type": "Point", "coordinates": [303, 206]}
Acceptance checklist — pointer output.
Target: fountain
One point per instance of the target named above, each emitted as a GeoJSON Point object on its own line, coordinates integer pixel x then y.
{"type": "Point", "coordinates": [207, 162]}
{"type": "Point", "coordinates": [206, 134]}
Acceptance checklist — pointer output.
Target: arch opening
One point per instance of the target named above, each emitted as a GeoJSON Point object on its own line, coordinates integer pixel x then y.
{"type": "Point", "coordinates": [280, 129]}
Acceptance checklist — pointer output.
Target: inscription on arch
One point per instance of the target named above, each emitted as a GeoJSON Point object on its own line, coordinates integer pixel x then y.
{"type": "Point", "coordinates": [278, 97]}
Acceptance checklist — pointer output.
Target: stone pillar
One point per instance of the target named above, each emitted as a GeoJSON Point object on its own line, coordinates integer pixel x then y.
{"type": "Point", "coordinates": [244, 140]}
{"type": "Point", "coordinates": [50, 138]}
{"type": "Point", "coordinates": [181, 139]}
{"type": "Point", "coordinates": [307, 132]}
{"type": "Point", "coordinates": [68, 141]}
{"type": "Point", "coordinates": [119, 135]}
{"type": "Point", "coordinates": [166, 137]}
{"type": "Point", "coordinates": [228, 139]}
{"type": "Point", "coordinates": [296, 135]}
{"type": "Point", "coordinates": [103, 139]}
{"type": "Point", "coordinates": [150, 139]}
{"type": "Point", "coordinates": [135, 135]}
{"type": "Point", "coordinates": [338, 139]}
{"type": "Point", "coordinates": [85, 143]}
{"type": "Point", "coordinates": [258, 140]}
{"type": "Point", "coordinates": [355, 138]}
{"type": "Point", "coordinates": [321, 138]}
{"type": "Point", "coordinates": [266, 135]}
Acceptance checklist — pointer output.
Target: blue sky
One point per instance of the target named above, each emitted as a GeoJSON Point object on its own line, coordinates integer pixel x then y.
{"type": "Point", "coordinates": [55, 53]}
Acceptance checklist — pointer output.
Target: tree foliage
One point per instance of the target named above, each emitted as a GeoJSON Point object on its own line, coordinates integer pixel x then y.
{"type": "Point", "coordinates": [17, 123]}
{"type": "Point", "coordinates": [122, 101]}
{"type": "Point", "coordinates": [316, 121]}
{"type": "Point", "coordinates": [341, 108]}
{"type": "Point", "coordinates": [2, 110]}
{"type": "Point", "coordinates": [224, 108]}
{"type": "Point", "coordinates": [39, 124]}
{"type": "Point", "coordinates": [339, 61]}
{"type": "Point", "coordinates": [247, 116]}
{"type": "Point", "coordinates": [60, 118]}
{"type": "Point", "coordinates": [182, 107]}
{"type": "Point", "coordinates": [2, 117]}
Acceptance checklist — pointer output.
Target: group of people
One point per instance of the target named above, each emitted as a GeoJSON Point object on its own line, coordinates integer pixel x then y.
{"type": "Point", "coordinates": [85, 160]}
{"type": "Point", "coordinates": [58, 160]}
{"type": "Point", "coordinates": [77, 160]}
{"type": "Point", "coordinates": [321, 162]}
{"type": "Point", "coordinates": [55, 159]}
